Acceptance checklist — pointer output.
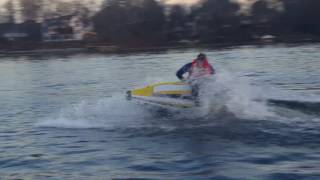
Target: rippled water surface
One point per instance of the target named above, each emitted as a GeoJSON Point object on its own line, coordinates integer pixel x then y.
{"type": "Point", "coordinates": [66, 117]}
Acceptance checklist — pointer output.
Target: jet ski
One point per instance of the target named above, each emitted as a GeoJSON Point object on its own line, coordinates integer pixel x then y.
{"type": "Point", "coordinates": [165, 95]}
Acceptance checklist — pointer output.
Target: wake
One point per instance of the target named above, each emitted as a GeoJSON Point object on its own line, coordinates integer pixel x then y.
{"type": "Point", "coordinates": [225, 97]}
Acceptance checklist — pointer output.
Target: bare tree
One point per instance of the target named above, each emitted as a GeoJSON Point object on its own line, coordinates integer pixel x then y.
{"type": "Point", "coordinates": [10, 11]}
{"type": "Point", "coordinates": [30, 9]}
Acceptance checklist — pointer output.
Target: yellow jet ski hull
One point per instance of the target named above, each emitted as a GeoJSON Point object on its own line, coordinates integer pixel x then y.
{"type": "Point", "coordinates": [168, 94]}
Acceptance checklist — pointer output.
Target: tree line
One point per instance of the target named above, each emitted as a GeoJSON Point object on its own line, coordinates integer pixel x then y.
{"type": "Point", "coordinates": [141, 22]}
{"type": "Point", "coordinates": [17, 11]}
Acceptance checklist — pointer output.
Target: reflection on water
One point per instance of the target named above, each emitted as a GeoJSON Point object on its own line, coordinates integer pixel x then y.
{"type": "Point", "coordinates": [66, 117]}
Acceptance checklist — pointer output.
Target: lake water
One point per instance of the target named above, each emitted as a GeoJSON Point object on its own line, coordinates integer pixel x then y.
{"type": "Point", "coordinates": [66, 117]}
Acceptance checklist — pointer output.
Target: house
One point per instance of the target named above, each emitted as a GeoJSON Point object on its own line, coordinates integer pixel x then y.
{"type": "Point", "coordinates": [64, 28]}
{"type": "Point", "coordinates": [57, 29]}
{"type": "Point", "coordinates": [27, 31]}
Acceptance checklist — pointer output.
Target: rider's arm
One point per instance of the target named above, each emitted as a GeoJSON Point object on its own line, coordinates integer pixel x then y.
{"type": "Point", "coordinates": [183, 70]}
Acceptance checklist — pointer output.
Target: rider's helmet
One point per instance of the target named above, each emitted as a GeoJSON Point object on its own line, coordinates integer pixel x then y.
{"type": "Point", "coordinates": [201, 56]}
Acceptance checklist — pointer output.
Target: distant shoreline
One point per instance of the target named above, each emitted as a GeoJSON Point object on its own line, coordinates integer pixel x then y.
{"type": "Point", "coordinates": [103, 48]}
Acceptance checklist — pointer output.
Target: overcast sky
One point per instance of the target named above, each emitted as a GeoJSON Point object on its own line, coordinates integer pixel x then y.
{"type": "Point", "coordinates": [169, 1]}
{"type": "Point", "coordinates": [194, 1]}
{"type": "Point", "coordinates": [182, 1]}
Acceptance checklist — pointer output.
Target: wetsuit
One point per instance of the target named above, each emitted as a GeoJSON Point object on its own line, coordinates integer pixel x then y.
{"type": "Point", "coordinates": [186, 68]}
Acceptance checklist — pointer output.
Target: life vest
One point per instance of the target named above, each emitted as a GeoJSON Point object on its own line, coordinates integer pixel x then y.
{"type": "Point", "coordinates": [198, 71]}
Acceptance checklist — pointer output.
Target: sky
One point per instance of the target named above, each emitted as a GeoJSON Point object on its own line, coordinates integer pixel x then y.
{"type": "Point", "coordinates": [181, 1]}
{"type": "Point", "coordinates": [188, 2]}
{"type": "Point", "coordinates": [195, 1]}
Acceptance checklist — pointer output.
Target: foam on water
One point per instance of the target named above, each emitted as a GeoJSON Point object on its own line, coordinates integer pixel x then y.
{"type": "Point", "coordinates": [238, 96]}
{"type": "Point", "coordinates": [107, 113]}
{"type": "Point", "coordinates": [225, 94]}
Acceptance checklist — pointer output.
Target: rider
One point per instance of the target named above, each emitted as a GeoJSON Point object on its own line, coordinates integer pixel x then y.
{"type": "Point", "coordinates": [197, 70]}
